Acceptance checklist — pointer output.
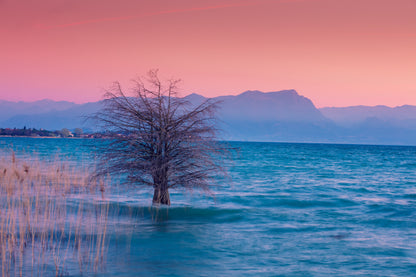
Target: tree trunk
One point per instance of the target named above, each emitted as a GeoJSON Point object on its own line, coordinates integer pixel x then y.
{"type": "Point", "coordinates": [161, 197]}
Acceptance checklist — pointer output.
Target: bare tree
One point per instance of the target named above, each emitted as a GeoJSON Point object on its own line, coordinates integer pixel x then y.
{"type": "Point", "coordinates": [159, 139]}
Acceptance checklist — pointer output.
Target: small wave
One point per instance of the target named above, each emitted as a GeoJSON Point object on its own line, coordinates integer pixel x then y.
{"type": "Point", "coordinates": [186, 213]}
{"type": "Point", "coordinates": [291, 229]}
{"type": "Point", "coordinates": [309, 203]}
{"type": "Point", "coordinates": [410, 196]}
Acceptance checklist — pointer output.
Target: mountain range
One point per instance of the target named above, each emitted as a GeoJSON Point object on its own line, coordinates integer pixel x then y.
{"type": "Point", "coordinates": [281, 116]}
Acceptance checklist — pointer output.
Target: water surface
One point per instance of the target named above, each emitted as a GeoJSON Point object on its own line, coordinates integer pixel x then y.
{"type": "Point", "coordinates": [288, 210]}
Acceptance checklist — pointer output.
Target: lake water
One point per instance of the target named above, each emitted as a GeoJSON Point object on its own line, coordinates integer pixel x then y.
{"type": "Point", "coordinates": [288, 210]}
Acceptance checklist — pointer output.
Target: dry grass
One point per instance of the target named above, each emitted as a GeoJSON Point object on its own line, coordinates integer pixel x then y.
{"type": "Point", "coordinates": [51, 215]}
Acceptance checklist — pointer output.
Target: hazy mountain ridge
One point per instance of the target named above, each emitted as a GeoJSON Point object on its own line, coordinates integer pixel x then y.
{"type": "Point", "coordinates": [50, 115]}
{"type": "Point", "coordinates": [286, 105]}
{"type": "Point", "coordinates": [9, 109]}
{"type": "Point", "coordinates": [359, 114]}
{"type": "Point", "coordinates": [250, 116]}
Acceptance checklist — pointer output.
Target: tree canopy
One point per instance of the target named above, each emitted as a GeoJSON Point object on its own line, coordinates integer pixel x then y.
{"type": "Point", "coordinates": [159, 139]}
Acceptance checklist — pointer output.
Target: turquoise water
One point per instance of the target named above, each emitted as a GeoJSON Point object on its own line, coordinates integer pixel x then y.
{"type": "Point", "coordinates": [288, 210]}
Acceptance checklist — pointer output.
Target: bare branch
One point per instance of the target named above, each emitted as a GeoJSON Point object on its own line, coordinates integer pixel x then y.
{"type": "Point", "coordinates": [158, 139]}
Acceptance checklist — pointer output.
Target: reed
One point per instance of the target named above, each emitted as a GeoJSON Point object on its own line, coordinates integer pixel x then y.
{"type": "Point", "coordinates": [51, 215]}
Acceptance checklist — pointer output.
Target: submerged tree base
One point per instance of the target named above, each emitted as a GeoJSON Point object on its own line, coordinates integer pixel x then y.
{"type": "Point", "coordinates": [161, 197]}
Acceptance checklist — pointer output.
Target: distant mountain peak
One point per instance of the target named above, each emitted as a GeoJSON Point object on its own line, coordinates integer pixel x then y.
{"type": "Point", "coordinates": [46, 101]}
{"type": "Point", "coordinates": [269, 93]}
{"type": "Point", "coordinates": [194, 96]}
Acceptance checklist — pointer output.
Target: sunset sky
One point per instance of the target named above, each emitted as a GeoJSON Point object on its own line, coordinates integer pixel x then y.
{"type": "Point", "coordinates": [335, 52]}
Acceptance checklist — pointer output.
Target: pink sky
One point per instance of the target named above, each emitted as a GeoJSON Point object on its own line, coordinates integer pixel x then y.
{"type": "Point", "coordinates": [335, 52]}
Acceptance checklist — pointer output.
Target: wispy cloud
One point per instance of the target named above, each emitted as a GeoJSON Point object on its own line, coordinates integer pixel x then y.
{"type": "Point", "coordinates": [129, 17]}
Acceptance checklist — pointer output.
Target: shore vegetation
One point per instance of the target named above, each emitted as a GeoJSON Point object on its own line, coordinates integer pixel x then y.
{"type": "Point", "coordinates": [44, 222]}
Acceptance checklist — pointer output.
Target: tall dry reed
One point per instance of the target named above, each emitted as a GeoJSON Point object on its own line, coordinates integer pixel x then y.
{"type": "Point", "coordinates": [53, 218]}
